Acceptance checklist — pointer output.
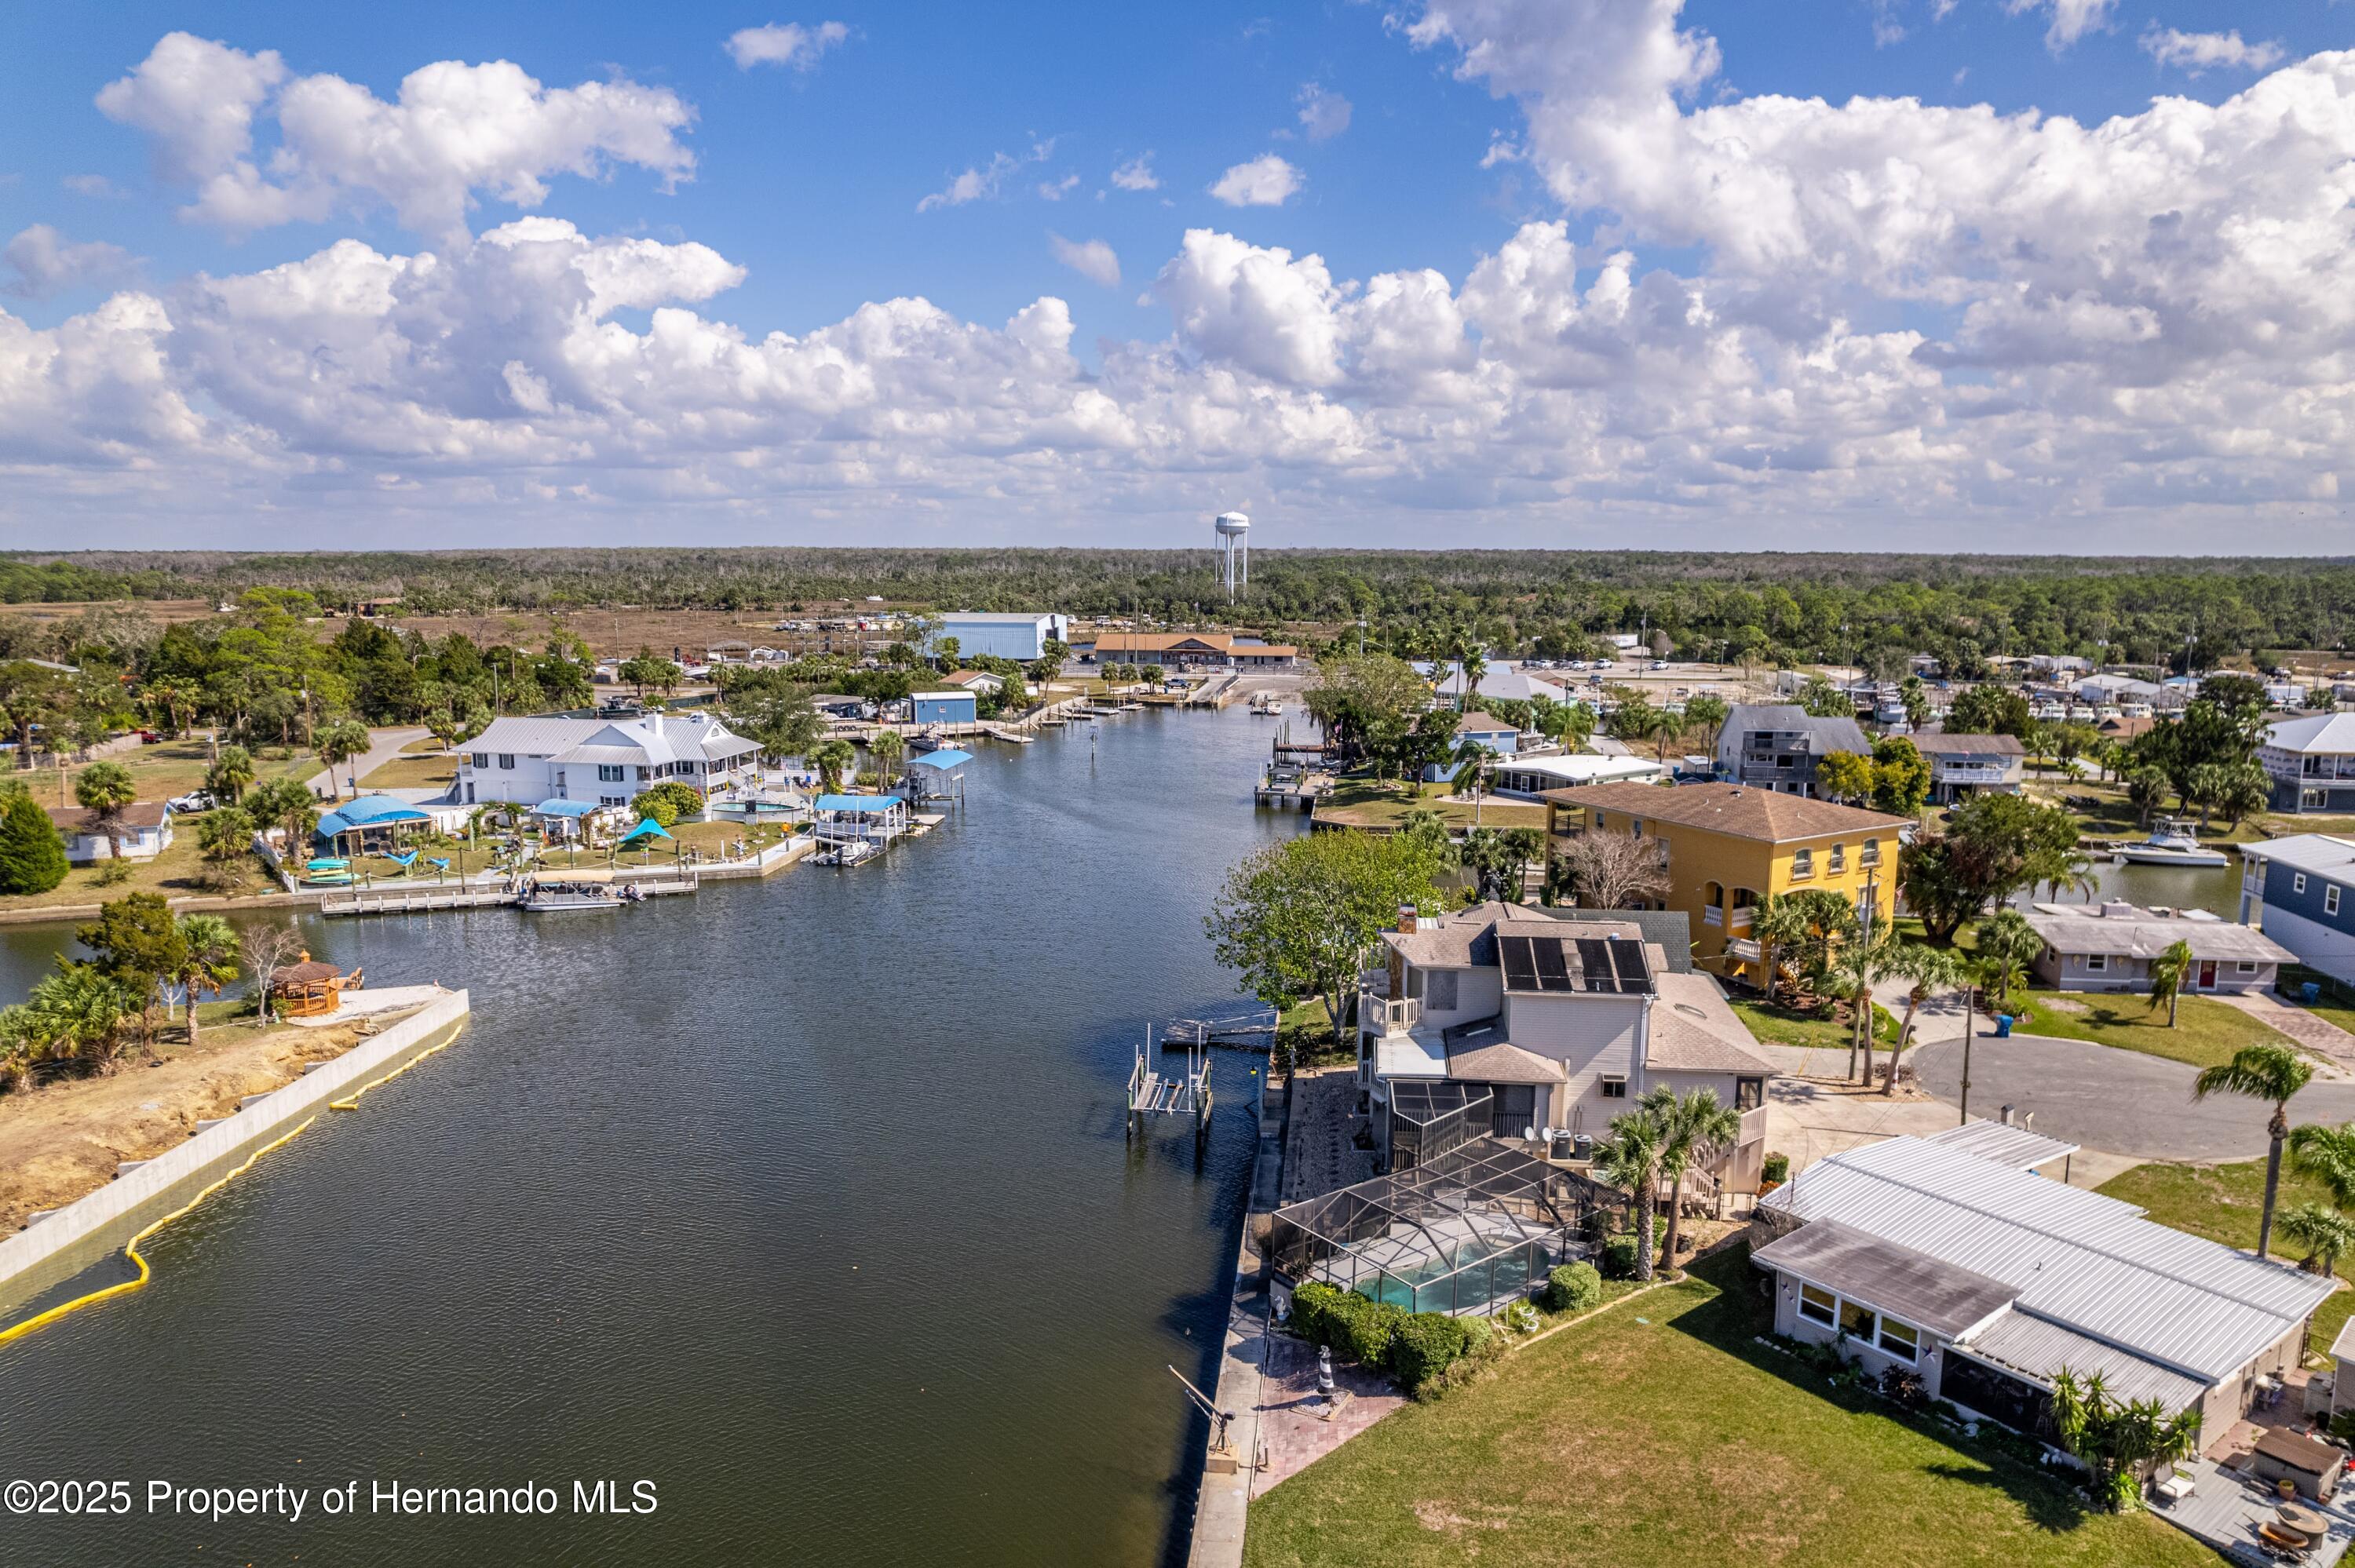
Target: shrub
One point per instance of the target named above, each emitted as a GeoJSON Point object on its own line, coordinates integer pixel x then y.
{"type": "Point", "coordinates": [667, 801]}
{"type": "Point", "coordinates": [1619, 1258]}
{"type": "Point", "coordinates": [1777, 1169]}
{"type": "Point", "coordinates": [1903, 1387]}
{"type": "Point", "coordinates": [1424, 1343]}
{"type": "Point", "coordinates": [1312, 1304]}
{"type": "Point", "coordinates": [32, 855]}
{"type": "Point", "coordinates": [1574, 1287]}
{"type": "Point", "coordinates": [1354, 1327]}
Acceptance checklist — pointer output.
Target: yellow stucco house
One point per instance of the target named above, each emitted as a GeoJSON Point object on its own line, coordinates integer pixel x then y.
{"type": "Point", "coordinates": [1729, 845]}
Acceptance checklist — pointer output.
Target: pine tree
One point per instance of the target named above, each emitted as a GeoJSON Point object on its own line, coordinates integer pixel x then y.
{"type": "Point", "coordinates": [32, 855]}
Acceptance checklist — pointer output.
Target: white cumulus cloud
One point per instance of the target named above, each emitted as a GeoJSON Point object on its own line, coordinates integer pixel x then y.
{"type": "Point", "coordinates": [45, 265]}
{"type": "Point", "coordinates": [1265, 181]}
{"type": "Point", "coordinates": [2197, 52]}
{"type": "Point", "coordinates": [785, 44]}
{"type": "Point", "coordinates": [1091, 259]}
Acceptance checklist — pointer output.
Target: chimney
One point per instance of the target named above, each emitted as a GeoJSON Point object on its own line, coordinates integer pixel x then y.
{"type": "Point", "coordinates": [1406, 920]}
{"type": "Point", "coordinates": [2005, 1116]}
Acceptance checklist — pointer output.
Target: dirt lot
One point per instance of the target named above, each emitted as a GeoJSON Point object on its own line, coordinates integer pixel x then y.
{"type": "Point", "coordinates": [66, 1138]}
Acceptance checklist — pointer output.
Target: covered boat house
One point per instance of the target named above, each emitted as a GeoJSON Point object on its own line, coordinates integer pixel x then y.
{"type": "Point", "coordinates": [372, 824]}
{"type": "Point", "coordinates": [848, 819]}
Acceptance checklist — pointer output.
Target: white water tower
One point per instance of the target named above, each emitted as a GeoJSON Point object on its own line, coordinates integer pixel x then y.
{"type": "Point", "coordinates": [1230, 535]}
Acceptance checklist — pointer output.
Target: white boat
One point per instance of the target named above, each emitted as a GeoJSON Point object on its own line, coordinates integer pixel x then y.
{"type": "Point", "coordinates": [565, 897]}
{"type": "Point", "coordinates": [851, 852]}
{"type": "Point", "coordinates": [2172, 842]}
{"type": "Point", "coordinates": [1267, 705]}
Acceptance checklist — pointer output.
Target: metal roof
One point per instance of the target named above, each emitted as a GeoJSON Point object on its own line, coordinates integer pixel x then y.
{"type": "Point", "coordinates": [857, 804]}
{"type": "Point", "coordinates": [2082, 1259]}
{"type": "Point", "coordinates": [647, 741]}
{"type": "Point", "coordinates": [2143, 934]}
{"type": "Point", "coordinates": [1910, 1286]}
{"type": "Point", "coordinates": [946, 758]}
{"type": "Point", "coordinates": [2306, 852]}
{"type": "Point", "coordinates": [2330, 733]}
{"type": "Point", "coordinates": [2023, 1342]}
{"type": "Point", "coordinates": [2006, 1145]}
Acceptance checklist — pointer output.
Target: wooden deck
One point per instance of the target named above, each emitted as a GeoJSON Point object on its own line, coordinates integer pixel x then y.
{"type": "Point", "coordinates": [2226, 1508]}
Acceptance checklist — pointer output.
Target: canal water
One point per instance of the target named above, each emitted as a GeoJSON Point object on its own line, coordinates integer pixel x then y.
{"type": "Point", "coordinates": [806, 1199]}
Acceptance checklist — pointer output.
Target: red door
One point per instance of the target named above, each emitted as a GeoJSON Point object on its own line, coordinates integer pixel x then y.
{"type": "Point", "coordinates": [2207, 976]}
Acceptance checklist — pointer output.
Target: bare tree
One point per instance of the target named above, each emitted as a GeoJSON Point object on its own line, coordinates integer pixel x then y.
{"type": "Point", "coordinates": [268, 949]}
{"type": "Point", "coordinates": [1607, 871]}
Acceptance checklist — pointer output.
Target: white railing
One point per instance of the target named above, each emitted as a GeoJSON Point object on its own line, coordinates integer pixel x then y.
{"type": "Point", "coordinates": [1394, 1015]}
{"type": "Point", "coordinates": [1711, 914]}
{"type": "Point", "coordinates": [1753, 1127]}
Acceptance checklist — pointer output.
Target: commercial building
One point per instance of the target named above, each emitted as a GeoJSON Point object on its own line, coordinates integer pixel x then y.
{"type": "Point", "coordinates": [1194, 650]}
{"type": "Point", "coordinates": [1775, 746]}
{"type": "Point", "coordinates": [2311, 762]}
{"type": "Point", "coordinates": [2301, 889]}
{"type": "Point", "coordinates": [1022, 636]}
{"type": "Point", "coordinates": [2110, 946]}
{"type": "Point", "coordinates": [1726, 847]}
{"type": "Point", "coordinates": [527, 760]}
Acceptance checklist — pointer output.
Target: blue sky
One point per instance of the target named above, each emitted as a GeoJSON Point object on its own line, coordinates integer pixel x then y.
{"type": "Point", "coordinates": [810, 181]}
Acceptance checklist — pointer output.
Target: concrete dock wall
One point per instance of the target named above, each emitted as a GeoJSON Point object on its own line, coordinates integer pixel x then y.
{"type": "Point", "coordinates": [54, 1250]}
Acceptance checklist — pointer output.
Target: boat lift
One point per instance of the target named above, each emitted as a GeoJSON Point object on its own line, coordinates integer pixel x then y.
{"type": "Point", "coordinates": [1151, 1093]}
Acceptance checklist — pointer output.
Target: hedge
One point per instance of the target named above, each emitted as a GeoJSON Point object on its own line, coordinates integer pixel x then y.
{"type": "Point", "coordinates": [1409, 1347]}
{"type": "Point", "coordinates": [1424, 1343]}
{"type": "Point", "coordinates": [1574, 1287]}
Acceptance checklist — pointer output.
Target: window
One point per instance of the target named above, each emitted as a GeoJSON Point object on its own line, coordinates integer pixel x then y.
{"type": "Point", "coordinates": [609, 773]}
{"type": "Point", "coordinates": [1817, 1304]}
{"type": "Point", "coordinates": [507, 761]}
{"type": "Point", "coordinates": [2330, 899]}
{"type": "Point", "coordinates": [1614, 1088]}
{"type": "Point", "coordinates": [482, 759]}
{"type": "Point", "coordinates": [1901, 1340]}
{"type": "Point", "coordinates": [2245, 967]}
{"type": "Point", "coordinates": [1870, 854]}
{"type": "Point", "coordinates": [2095, 964]}
{"type": "Point", "coordinates": [2297, 882]}
{"type": "Point", "coordinates": [1855, 1322]}
{"type": "Point", "coordinates": [1838, 860]}
{"type": "Point", "coordinates": [1439, 990]}
{"type": "Point", "coordinates": [1803, 862]}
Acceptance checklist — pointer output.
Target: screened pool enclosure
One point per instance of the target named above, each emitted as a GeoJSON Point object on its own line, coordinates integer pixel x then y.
{"type": "Point", "coordinates": [1469, 1230]}
{"type": "Point", "coordinates": [1428, 1116]}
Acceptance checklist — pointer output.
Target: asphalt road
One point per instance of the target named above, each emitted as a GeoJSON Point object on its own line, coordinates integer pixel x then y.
{"type": "Point", "coordinates": [2122, 1101]}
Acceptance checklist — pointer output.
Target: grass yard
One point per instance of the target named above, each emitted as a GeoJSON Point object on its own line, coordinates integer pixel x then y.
{"type": "Point", "coordinates": [171, 768]}
{"type": "Point", "coordinates": [2224, 1203]}
{"type": "Point", "coordinates": [2207, 1032]}
{"type": "Point", "coordinates": [172, 873]}
{"type": "Point", "coordinates": [1661, 1434]}
{"type": "Point", "coordinates": [413, 773]}
{"type": "Point", "coordinates": [1366, 803]}
{"type": "Point", "coordinates": [1781, 1026]}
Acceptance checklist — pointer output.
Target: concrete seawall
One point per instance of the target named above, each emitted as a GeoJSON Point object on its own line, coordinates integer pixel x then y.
{"type": "Point", "coordinates": [55, 1249]}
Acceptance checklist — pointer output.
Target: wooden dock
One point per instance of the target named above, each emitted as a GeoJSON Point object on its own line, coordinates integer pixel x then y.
{"type": "Point", "coordinates": [416, 900]}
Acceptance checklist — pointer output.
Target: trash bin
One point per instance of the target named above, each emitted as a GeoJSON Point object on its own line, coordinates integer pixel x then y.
{"type": "Point", "coordinates": [2310, 991]}
{"type": "Point", "coordinates": [2003, 1026]}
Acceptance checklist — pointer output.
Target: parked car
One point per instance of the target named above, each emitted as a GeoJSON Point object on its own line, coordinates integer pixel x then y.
{"type": "Point", "coordinates": [1659, 663]}
{"type": "Point", "coordinates": [194, 800]}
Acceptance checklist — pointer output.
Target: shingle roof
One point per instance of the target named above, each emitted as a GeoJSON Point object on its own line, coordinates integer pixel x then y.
{"type": "Point", "coordinates": [1693, 1031]}
{"type": "Point", "coordinates": [1479, 1053]}
{"type": "Point", "coordinates": [82, 820]}
{"type": "Point", "coordinates": [651, 739]}
{"type": "Point", "coordinates": [1466, 938]}
{"type": "Point", "coordinates": [1742, 811]}
{"type": "Point", "coordinates": [2143, 934]}
{"type": "Point", "coordinates": [1910, 1286]}
{"type": "Point", "coordinates": [1477, 720]}
{"type": "Point", "coordinates": [2089, 1262]}
{"type": "Point", "coordinates": [1937, 742]}
{"type": "Point", "coordinates": [1830, 734]}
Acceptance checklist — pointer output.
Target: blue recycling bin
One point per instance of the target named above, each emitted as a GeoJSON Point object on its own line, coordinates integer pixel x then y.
{"type": "Point", "coordinates": [2311, 991]}
{"type": "Point", "coordinates": [2003, 1026]}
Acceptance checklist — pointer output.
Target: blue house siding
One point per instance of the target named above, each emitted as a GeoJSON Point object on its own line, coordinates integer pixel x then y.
{"type": "Point", "coordinates": [957, 709]}
{"type": "Point", "coordinates": [2302, 920]}
{"type": "Point", "coordinates": [2322, 797]}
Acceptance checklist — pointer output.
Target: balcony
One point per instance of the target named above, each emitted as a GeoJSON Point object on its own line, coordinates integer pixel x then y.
{"type": "Point", "coordinates": [1390, 1015]}
{"type": "Point", "coordinates": [1753, 1127]}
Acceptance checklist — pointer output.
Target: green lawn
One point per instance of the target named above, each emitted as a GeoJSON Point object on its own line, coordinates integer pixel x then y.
{"type": "Point", "coordinates": [2207, 1032]}
{"type": "Point", "coordinates": [1781, 1026]}
{"type": "Point", "coordinates": [2224, 1203]}
{"type": "Point", "coordinates": [1367, 803]}
{"type": "Point", "coordinates": [413, 773]}
{"type": "Point", "coordinates": [1661, 1434]}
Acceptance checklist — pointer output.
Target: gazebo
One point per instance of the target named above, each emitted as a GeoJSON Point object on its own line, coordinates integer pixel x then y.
{"type": "Point", "coordinates": [311, 989]}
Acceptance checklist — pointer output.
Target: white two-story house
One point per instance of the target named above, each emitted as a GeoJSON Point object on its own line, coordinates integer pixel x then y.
{"type": "Point", "coordinates": [527, 760]}
{"type": "Point", "coordinates": [1526, 1020]}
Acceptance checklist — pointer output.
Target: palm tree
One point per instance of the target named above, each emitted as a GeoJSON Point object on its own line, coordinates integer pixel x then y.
{"type": "Point", "coordinates": [23, 1043]}
{"type": "Point", "coordinates": [2119, 1440]}
{"type": "Point", "coordinates": [1630, 1158]}
{"type": "Point", "coordinates": [1695, 1129]}
{"type": "Point", "coordinates": [211, 961]}
{"type": "Point", "coordinates": [338, 744]}
{"type": "Point", "coordinates": [1778, 922]}
{"type": "Point", "coordinates": [2008, 945]}
{"type": "Point", "coordinates": [2326, 1154]}
{"type": "Point", "coordinates": [106, 791]}
{"type": "Point", "coordinates": [830, 759]}
{"type": "Point", "coordinates": [1928, 968]}
{"type": "Point", "coordinates": [82, 1009]}
{"type": "Point", "coordinates": [2168, 971]}
{"type": "Point", "coordinates": [2263, 1073]}
{"type": "Point", "coordinates": [1472, 760]}
{"type": "Point", "coordinates": [231, 774]}
{"type": "Point", "coordinates": [2324, 1232]}
{"type": "Point", "coordinates": [887, 746]}
{"type": "Point", "coordinates": [1865, 961]}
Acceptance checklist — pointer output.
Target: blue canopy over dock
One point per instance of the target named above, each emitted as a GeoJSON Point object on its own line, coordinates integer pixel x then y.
{"type": "Point", "coordinates": [858, 805]}
{"type": "Point", "coordinates": [369, 811]}
{"type": "Point", "coordinates": [945, 758]}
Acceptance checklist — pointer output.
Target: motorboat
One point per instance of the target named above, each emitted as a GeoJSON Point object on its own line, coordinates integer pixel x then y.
{"type": "Point", "coordinates": [1267, 705]}
{"type": "Point", "coordinates": [850, 852]}
{"type": "Point", "coordinates": [568, 898]}
{"type": "Point", "coordinates": [2172, 842]}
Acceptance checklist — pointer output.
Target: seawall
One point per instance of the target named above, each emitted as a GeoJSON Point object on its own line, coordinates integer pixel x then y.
{"type": "Point", "coordinates": [54, 1250]}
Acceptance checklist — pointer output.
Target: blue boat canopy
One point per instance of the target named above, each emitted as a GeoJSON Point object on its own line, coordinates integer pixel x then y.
{"type": "Point", "coordinates": [647, 828]}
{"type": "Point", "coordinates": [368, 811]}
{"type": "Point", "coordinates": [553, 808]}
{"type": "Point", "coordinates": [857, 804]}
{"type": "Point", "coordinates": [946, 758]}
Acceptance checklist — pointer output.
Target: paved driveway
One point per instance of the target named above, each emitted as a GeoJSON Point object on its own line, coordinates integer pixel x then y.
{"type": "Point", "coordinates": [384, 745]}
{"type": "Point", "coordinates": [2118, 1100]}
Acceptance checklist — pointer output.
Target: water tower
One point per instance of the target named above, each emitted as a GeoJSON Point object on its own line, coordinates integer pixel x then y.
{"type": "Point", "coordinates": [1230, 535]}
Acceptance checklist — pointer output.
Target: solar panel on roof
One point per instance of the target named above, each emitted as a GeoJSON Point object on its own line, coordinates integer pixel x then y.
{"type": "Point", "coordinates": [1595, 958]}
{"type": "Point", "coordinates": [1553, 965]}
{"type": "Point", "coordinates": [1521, 969]}
{"type": "Point", "coordinates": [1627, 959]}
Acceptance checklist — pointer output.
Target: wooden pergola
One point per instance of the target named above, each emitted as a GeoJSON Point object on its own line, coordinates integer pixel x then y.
{"type": "Point", "coordinates": [311, 989]}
